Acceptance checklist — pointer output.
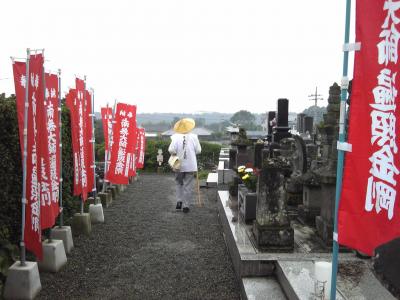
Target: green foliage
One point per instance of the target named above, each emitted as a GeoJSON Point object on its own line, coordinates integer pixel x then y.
{"type": "Point", "coordinates": [245, 119]}
{"type": "Point", "coordinates": [11, 171]}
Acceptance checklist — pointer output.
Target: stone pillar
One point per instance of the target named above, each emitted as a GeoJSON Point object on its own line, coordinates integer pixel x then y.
{"type": "Point", "coordinates": [272, 230]}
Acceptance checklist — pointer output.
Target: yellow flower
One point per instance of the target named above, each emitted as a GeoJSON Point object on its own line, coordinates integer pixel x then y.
{"type": "Point", "coordinates": [247, 176]}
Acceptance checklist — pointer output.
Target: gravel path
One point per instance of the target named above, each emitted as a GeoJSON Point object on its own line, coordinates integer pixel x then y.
{"type": "Point", "coordinates": [147, 250]}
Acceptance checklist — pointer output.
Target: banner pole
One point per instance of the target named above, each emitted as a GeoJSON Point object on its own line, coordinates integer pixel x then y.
{"type": "Point", "coordinates": [339, 172]}
{"type": "Point", "coordinates": [84, 103]}
{"type": "Point", "coordinates": [24, 160]}
{"type": "Point", "coordinates": [94, 152]}
{"type": "Point", "coordinates": [60, 145]}
{"type": "Point", "coordinates": [106, 152]}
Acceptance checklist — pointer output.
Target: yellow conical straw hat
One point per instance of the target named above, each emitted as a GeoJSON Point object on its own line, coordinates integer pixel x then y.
{"type": "Point", "coordinates": [184, 125]}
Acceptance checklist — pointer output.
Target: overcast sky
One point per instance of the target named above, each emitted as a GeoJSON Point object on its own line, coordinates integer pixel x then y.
{"type": "Point", "coordinates": [183, 55]}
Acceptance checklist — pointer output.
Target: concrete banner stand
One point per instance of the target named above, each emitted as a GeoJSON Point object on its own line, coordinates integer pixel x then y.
{"type": "Point", "coordinates": [81, 224]}
{"type": "Point", "coordinates": [113, 190]}
{"type": "Point", "coordinates": [96, 213]}
{"type": "Point", "coordinates": [105, 199]}
{"type": "Point", "coordinates": [23, 282]}
{"type": "Point", "coordinates": [54, 257]}
{"type": "Point", "coordinates": [63, 233]}
{"type": "Point", "coordinates": [118, 188]}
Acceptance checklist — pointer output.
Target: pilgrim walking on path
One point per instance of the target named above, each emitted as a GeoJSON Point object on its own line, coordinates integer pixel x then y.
{"type": "Point", "coordinates": [185, 145]}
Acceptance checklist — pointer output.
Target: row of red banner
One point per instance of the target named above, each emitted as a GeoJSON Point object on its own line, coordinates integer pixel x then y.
{"type": "Point", "coordinates": [42, 148]}
{"type": "Point", "coordinates": [127, 144]}
{"type": "Point", "coordinates": [124, 143]}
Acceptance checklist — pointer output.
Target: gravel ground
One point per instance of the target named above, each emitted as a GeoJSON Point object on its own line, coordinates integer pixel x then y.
{"type": "Point", "coordinates": [147, 250]}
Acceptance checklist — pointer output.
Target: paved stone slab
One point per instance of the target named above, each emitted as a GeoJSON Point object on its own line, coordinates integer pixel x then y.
{"type": "Point", "coordinates": [262, 288]}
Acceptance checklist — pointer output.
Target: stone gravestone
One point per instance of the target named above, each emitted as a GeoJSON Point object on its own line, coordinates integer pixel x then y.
{"type": "Point", "coordinates": [294, 150]}
{"type": "Point", "coordinates": [308, 124]}
{"type": "Point", "coordinates": [271, 229]}
{"type": "Point", "coordinates": [242, 144]}
{"type": "Point", "coordinates": [281, 130]}
{"type": "Point", "coordinates": [300, 123]}
{"type": "Point", "coordinates": [271, 120]}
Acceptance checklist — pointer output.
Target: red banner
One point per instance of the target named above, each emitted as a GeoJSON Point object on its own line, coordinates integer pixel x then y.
{"type": "Point", "coordinates": [123, 138]}
{"type": "Point", "coordinates": [53, 140]}
{"type": "Point", "coordinates": [132, 151]}
{"type": "Point", "coordinates": [369, 213]}
{"type": "Point", "coordinates": [106, 118]}
{"type": "Point", "coordinates": [35, 124]}
{"type": "Point", "coordinates": [19, 70]}
{"type": "Point", "coordinates": [72, 104]}
{"type": "Point", "coordinates": [90, 163]}
{"type": "Point", "coordinates": [141, 148]}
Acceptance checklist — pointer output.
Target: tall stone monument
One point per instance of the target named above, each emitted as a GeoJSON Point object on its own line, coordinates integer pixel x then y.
{"type": "Point", "coordinates": [272, 230]}
{"type": "Point", "coordinates": [281, 130]}
{"type": "Point", "coordinates": [329, 131]}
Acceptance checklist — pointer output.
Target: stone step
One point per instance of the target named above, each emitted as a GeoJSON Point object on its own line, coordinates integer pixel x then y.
{"type": "Point", "coordinates": [261, 288]}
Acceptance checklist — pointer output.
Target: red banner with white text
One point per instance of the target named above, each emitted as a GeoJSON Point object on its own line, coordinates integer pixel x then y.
{"type": "Point", "coordinates": [106, 118]}
{"type": "Point", "coordinates": [35, 123]}
{"type": "Point", "coordinates": [123, 137]}
{"type": "Point", "coordinates": [53, 140]}
{"type": "Point", "coordinates": [82, 136]}
{"type": "Point", "coordinates": [89, 142]}
{"type": "Point", "coordinates": [369, 212]}
{"type": "Point", "coordinates": [71, 101]}
{"type": "Point", "coordinates": [141, 139]}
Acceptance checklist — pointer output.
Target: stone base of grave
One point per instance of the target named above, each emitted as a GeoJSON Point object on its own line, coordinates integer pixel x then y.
{"type": "Point", "coordinates": [274, 238]}
{"type": "Point", "coordinates": [23, 282]}
{"type": "Point", "coordinates": [306, 215]}
{"type": "Point", "coordinates": [96, 213]}
{"type": "Point", "coordinates": [324, 230]}
{"type": "Point", "coordinates": [122, 188]}
{"type": "Point", "coordinates": [105, 198]}
{"type": "Point", "coordinates": [81, 224]}
{"type": "Point", "coordinates": [294, 198]}
{"type": "Point", "coordinates": [94, 201]}
{"type": "Point", "coordinates": [54, 257]}
{"type": "Point", "coordinates": [63, 233]}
